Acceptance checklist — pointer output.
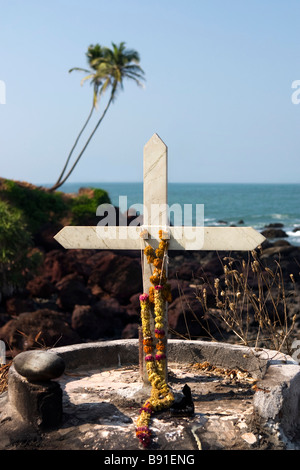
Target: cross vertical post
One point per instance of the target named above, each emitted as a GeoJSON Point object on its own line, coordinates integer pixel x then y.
{"type": "Point", "coordinates": [155, 210]}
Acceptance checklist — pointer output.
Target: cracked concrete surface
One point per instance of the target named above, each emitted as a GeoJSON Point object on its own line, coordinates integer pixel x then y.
{"type": "Point", "coordinates": [101, 404]}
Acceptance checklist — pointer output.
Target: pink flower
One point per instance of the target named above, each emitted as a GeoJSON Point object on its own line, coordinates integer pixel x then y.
{"type": "Point", "coordinates": [144, 297]}
{"type": "Point", "coordinates": [159, 332]}
{"type": "Point", "coordinates": [158, 287]}
{"type": "Point", "coordinates": [149, 357]}
{"type": "Point", "coordinates": [159, 357]}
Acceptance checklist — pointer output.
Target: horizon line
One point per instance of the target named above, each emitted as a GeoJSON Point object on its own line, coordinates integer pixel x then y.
{"type": "Point", "coordinates": [171, 182]}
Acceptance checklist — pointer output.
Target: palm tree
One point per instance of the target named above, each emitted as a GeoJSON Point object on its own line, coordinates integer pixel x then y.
{"type": "Point", "coordinates": [109, 69]}
{"type": "Point", "coordinates": [93, 52]}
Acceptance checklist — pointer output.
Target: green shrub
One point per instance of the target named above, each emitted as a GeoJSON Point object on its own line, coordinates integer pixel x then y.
{"type": "Point", "coordinates": [84, 206]}
{"type": "Point", "coordinates": [37, 206]}
{"type": "Point", "coordinates": [16, 255]}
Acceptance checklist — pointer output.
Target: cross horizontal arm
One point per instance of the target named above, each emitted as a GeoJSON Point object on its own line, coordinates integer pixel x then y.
{"type": "Point", "coordinates": [181, 238]}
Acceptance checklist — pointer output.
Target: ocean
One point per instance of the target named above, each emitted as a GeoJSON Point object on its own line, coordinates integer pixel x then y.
{"type": "Point", "coordinates": [255, 205]}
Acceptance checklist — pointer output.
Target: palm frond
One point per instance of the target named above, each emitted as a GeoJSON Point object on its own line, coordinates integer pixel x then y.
{"type": "Point", "coordinates": [86, 78]}
{"type": "Point", "coordinates": [79, 69]}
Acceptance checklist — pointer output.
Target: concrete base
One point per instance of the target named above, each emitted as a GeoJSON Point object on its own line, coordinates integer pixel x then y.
{"type": "Point", "coordinates": [275, 402]}
{"type": "Point", "coordinates": [38, 403]}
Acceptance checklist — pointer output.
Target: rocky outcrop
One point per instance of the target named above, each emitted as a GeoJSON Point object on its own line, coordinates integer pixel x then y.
{"type": "Point", "coordinates": [274, 233]}
{"type": "Point", "coordinates": [42, 328]}
{"type": "Point", "coordinates": [83, 295]}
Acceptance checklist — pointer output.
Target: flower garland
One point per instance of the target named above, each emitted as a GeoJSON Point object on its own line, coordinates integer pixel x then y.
{"type": "Point", "coordinates": [161, 396]}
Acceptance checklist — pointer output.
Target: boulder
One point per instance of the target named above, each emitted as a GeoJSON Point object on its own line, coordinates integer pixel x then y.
{"type": "Point", "coordinates": [130, 331]}
{"type": "Point", "coordinates": [71, 291]}
{"type": "Point", "coordinates": [40, 287]}
{"type": "Point", "coordinates": [187, 270]}
{"type": "Point", "coordinates": [274, 233]}
{"type": "Point", "coordinates": [85, 322]}
{"type": "Point", "coordinates": [178, 286]}
{"type": "Point", "coordinates": [275, 225]}
{"type": "Point", "coordinates": [44, 237]}
{"type": "Point", "coordinates": [187, 318]}
{"type": "Point", "coordinates": [133, 308]}
{"type": "Point", "coordinates": [112, 317]}
{"type": "Point", "coordinates": [43, 327]}
{"type": "Point", "coordinates": [120, 276]}
{"type": "Point", "coordinates": [211, 268]}
{"type": "Point", "coordinates": [58, 264]}
{"type": "Point", "coordinates": [18, 304]}
{"type": "Point", "coordinates": [39, 365]}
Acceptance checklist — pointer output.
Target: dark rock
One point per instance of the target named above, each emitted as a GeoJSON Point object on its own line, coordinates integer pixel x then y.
{"type": "Point", "coordinates": [41, 287]}
{"type": "Point", "coordinates": [212, 268]}
{"type": "Point", "coordinates": [133, 307]}
{"type": "Point", "coordinates": [54, 265]}
{"type": "Point", "coordinates": [187, 270]}
{"type": "Point", "coordinates": [58, 264]}
{"type": "Point", "coordinates": [44, 237]}
{"type": "Point", "coordinates": [282, 250]}
{"type": "Point", "coordinates": [274, 233]}
{"type": "Point", "coordinates": [72, 291]}
{"type": "Point", "coordinates": [39, 365]}
{"type": "Point", "coordinates": [275, 225]}
{"type": "Point", "coordinates": [112, 317]}
{"type": "Point", "coordinates": [178, 287]}
{"type": "Point", "coordinates": [4, 318]}
{"type": "Point", "coordinates": [130, 331]}
{"type": "Point", "coordinates": [43, 327]}
{"type": "Point", "coordinates": [85, 322]}
{"type": "Point", "coordinates": [281, 243]}
{"type": "Point", "coordinates": [120, 276]}
{"type": "Point", "coordinates": [296, 229]}
{"type": "Point", "coordinates": [18, 304]}
{"type": "Point", "coordinates": [188, 319]}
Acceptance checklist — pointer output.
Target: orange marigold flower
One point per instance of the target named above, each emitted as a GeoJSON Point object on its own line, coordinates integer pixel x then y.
{"type": "Point", "coordinates": [151, 294]}
{"type": "Point", "coordinates": [163, 245]}
{"type": "Point", "coordinates": [149, 250]}
{"type": "Point", "coordinates": [157, 263]}
{"type": "Point", "coordinates": [160, 346]}
{"type": "Point", "coordinates": [159, 253]}
{"type": "Point", "coordinates": [147, 341]}
{"type": "Point", "coordinates": [149, 253]}
{"type": "Point", "coordinates": [154, 279]}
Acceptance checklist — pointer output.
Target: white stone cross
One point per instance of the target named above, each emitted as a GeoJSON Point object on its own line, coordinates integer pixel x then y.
{"type": "Point", "coordinates": [156, 216]}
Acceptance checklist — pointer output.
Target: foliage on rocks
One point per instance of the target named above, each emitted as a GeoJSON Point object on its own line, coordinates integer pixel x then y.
{"type": "Point", "coordinates": [17, 256]}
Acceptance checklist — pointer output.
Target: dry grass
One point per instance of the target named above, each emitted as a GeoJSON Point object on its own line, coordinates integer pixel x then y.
{"type": "Point", "coordinates": [4, 368]}
{"type": "Point", "coordinates": [251, 302]}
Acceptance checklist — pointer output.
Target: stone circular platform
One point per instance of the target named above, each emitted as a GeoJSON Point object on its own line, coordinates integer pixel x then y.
{"type": "Point", "coordinates": [243, 398]}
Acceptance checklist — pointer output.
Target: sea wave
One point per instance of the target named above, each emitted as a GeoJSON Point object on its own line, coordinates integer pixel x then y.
{"type": "Point", "coordinates": [293, 234]}
{"type": "Point", "coordinates": [279, 216]}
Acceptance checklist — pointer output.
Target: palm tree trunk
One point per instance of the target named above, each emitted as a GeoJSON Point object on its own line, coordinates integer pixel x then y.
{"type": "Point", "coordinates": [72, 150]}
{"type": "Point", "coordinates": [60, 183]}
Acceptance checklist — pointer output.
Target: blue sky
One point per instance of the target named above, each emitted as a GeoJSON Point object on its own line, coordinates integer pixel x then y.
{"type": "Point", "coordinates": [217, 91]}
